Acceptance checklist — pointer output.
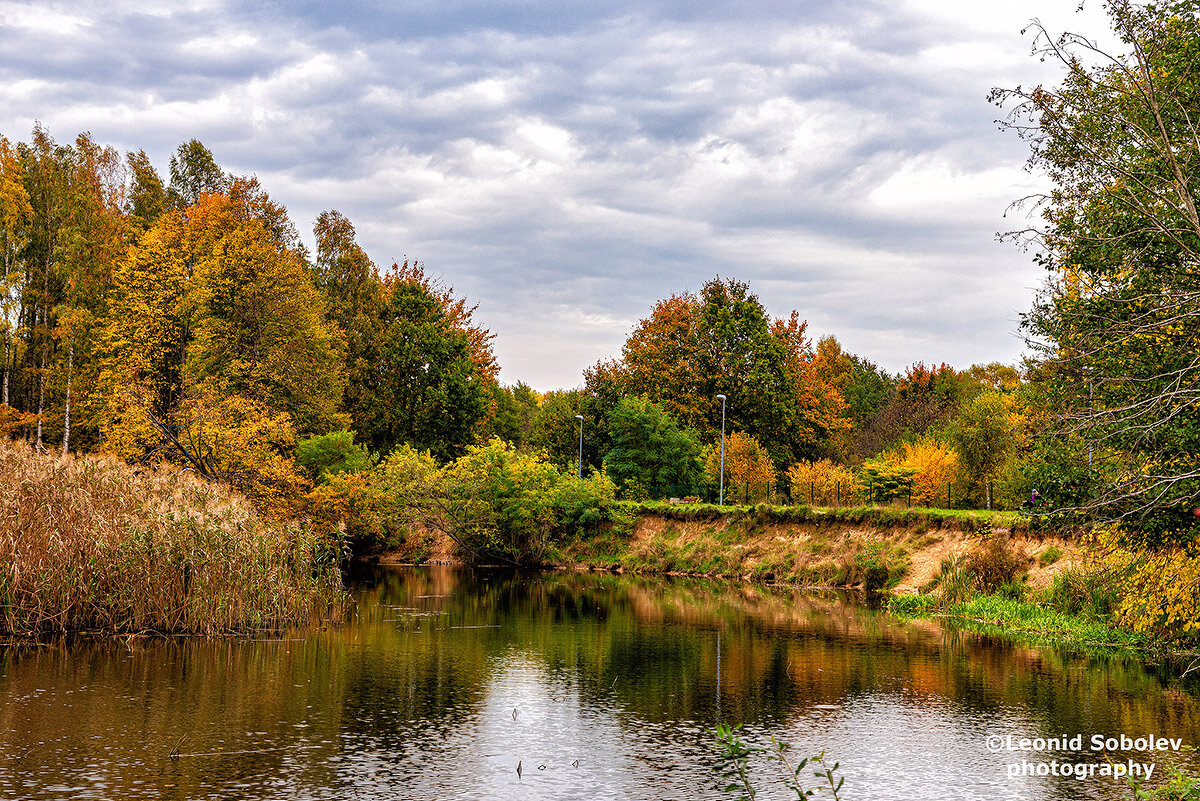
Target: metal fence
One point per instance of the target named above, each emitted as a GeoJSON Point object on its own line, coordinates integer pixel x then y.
{"type": "Point", "coordinates": [955, 495]}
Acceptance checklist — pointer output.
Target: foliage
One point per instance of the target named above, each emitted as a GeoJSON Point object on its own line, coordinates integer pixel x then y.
{"type": "Point", "coordinates": [934, 465]}
{"type": "Point", "coordinates": [426, 388]}
{"type": "Point", "coordinates": [649, 448]}
{"type": "Point", "coordinates": [986, 435]}
{"type": "Point", "coordinates": [495, 502]}
{"type": "Point", "coordinates": [326, 455]}
{"type": "Point", "coordinates": [1118, 324]}
{"type": "Point", "coordinates": [822, 483]}
{"type": "Point", "coordinates": [555, 431]}
{"type": "Point", "coordinates": [512, 413]}
{"type": "Point", "coordinates": [214, 347]}
{"type": "Point", "coordinates": [1158, 586]}
{"type": "Point", "coordinates": [919, 401]}
{"type": "Point", "coordinates": [748, 467]}
{"type": "Point", "coordinates": [692, 348]}
{"type": "Point", "coordinates": [885, 479]}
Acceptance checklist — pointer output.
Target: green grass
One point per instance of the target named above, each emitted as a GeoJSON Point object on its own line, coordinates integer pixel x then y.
{"type": "Point", "coordinates": [919, 517]}
{"type": "Point", "coordinates": [1024, 621]}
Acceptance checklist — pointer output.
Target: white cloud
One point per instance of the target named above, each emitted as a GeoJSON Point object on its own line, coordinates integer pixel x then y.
{"type": "Point", "coordinates": [566, 170]}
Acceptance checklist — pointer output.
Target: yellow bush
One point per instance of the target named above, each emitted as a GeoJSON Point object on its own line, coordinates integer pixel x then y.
{"type": "Point", "coordinates": [1158, 588]}
{"type": "Point", "coordinates": [822, 483]}
{"type": "Point", "coordinates": [935, 464]}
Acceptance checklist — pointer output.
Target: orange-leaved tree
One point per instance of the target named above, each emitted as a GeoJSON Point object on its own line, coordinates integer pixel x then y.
{"type": "Point", "coordinates": [749, 471]}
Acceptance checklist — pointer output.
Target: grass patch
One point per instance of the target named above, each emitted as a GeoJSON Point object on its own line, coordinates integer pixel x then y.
{"type": "Point", "coordinates": [1024, 621]}
{"type": "Point", "coordinates": [93, 544]}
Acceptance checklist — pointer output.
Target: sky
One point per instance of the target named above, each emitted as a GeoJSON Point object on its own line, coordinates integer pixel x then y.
{"type": "Point", "coordinates": [565, 165]}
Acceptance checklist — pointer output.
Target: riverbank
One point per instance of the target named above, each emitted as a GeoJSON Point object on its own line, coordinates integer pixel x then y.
{"type": "Point", "coordinates": [991, 572]}
{"type": "Point", "coordinates": [90, 544]}
{"type": "Point", "coordinates": [895, 549]}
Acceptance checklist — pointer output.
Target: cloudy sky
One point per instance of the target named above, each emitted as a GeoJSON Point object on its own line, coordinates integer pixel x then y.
{"type": "Point", "coordinates": [566, 164]}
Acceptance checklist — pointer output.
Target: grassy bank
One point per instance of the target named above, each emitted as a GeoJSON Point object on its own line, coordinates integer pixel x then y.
{"type": "Point", "coordinates": [93, 544]}
{"type": "Point", "coordinates": [1028, 621]}
{"type": "Point", "coordinates": [874, 548]}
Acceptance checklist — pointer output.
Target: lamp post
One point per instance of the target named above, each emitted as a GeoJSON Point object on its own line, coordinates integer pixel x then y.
{"type": "Point", "coordinates": [579, 417]}
{"type": "Point", "coordinates": [721, 499]}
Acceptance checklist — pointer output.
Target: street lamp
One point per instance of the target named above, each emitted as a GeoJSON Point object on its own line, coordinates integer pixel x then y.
{"type": "Point", "coordinates": [579, 417]}
{"type": "Point", "coordinates": [721, 499]}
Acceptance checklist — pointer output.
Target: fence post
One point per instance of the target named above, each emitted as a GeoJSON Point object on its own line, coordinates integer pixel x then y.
{"type": "Point", "coordinates": [839, 494]}
{"type": "Point", "coordinates": [948, 504]}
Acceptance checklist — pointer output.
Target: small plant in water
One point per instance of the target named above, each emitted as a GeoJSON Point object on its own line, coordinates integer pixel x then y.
{"type": "Point", "coordinates": [733, 765]}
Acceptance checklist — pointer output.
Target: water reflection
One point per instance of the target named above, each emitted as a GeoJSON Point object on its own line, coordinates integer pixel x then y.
{"type": "Point", "coordinates": [597, 685]}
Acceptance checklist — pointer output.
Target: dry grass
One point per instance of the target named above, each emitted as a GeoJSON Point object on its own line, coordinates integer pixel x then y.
{"type": "Point", "coordinates": [92, 544]}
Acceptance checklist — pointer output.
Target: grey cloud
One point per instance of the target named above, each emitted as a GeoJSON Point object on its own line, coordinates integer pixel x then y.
{"type": "Point", "coordinates": [561, 162]}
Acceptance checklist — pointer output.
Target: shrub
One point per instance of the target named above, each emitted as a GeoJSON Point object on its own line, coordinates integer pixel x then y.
{"type": "Point", "coordinates": [822, 483]}
{"type": "Point", "coordinates": [993, 563]}
{"type": "Point", "coordinates": [885, 479]}
{"type": "Point", "coordinates": [327, 455]}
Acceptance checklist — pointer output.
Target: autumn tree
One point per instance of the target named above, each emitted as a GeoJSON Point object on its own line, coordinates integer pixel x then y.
{"type": "Point", "coordinates": [16, 215]}
{"type": "Point", "coordinates": [1118, 324]}
{"type": "Point", "coordinates": [921, 400]}
{"type": "Point", "coordinates": [95, 238]}
{"type": "Point", "coordinates": [722, 341]}
{"type": "Point", "coordinates": [216, 353]}
{"type": "Point", "coordinates": [749, 471]}
{"type": "Point", "coordinates": [47, 167]}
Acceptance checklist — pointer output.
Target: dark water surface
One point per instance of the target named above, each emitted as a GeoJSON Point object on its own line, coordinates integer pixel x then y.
{"type": "Point", "coordinates": [601, 687]}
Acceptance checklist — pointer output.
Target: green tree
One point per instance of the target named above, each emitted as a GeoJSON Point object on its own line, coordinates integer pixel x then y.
{"type": "Point", "coordinates": [147, 200]}
{"type": "Point", "coordinates": [649, 449]}
{"type": "Point", "coordinates": [194, 172]}
{"type": "Point", "coordinates": [513, 411]}
{"type": "Point", "coordinates": [985, 434]}
{"type": "Point", "coordinates": [1118, 325]}
{"type": "Point", "coordinates": [427, 389]}
{"type": "Point", "coordinates": [327, 455]}
{"type": "Point", "coordinates": [555, 431]}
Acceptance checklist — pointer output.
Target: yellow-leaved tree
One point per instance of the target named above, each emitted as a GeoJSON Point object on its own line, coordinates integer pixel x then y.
{"type": "Point", "coordinates": [822, 483]}
{"type": "Point", "coordinates": [216, 353]}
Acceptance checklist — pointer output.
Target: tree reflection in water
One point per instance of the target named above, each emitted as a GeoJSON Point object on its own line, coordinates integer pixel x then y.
{"type": "Point", "coordinates": [615, 683]}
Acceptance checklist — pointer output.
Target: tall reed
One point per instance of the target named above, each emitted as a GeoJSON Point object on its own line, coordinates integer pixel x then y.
{"type": "Point", "coordinates": [92, 544]}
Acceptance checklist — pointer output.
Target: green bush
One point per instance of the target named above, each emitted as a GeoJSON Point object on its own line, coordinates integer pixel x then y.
{"type": "Point", "coordinates": [327, 455]}
{"type": "Point", "coordinates": [881, 480]}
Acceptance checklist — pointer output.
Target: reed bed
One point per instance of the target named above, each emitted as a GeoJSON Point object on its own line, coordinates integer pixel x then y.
{"type": "Point", "coordinates": [92, 544]}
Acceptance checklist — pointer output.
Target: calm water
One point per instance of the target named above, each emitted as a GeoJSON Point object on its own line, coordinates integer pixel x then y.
{"type": "Point", "coordinates": [599, 686]}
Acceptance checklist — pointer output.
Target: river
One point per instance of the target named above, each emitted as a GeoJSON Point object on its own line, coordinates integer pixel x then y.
{"type": "Point", "coordinates": [598, 686]}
